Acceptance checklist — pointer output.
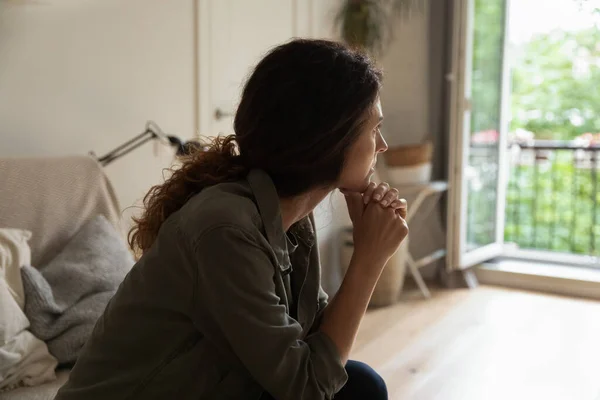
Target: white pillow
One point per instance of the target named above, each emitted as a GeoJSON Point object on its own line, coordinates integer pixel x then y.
{"type": "Point", "coordinates": [24, 359]}
{"type": "Point", "coordinates": [14, 253]}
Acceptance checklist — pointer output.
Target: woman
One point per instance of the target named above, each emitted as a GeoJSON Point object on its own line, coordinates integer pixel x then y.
{"type": "Point", "coordinates": [225, 302]}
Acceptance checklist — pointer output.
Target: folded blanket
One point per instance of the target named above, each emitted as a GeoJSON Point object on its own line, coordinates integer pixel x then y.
{"type": "Point", "coordinates": [64, 299]}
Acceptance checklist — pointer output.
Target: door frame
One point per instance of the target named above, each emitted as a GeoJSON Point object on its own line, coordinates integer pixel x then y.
{"type": "Point", "coordinates": [304, 17]}
{"type": "Point", "coordinates": [459, 131]}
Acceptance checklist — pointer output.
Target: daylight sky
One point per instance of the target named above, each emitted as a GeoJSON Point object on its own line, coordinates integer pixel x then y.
{"type": "Point", "coordinates": [529, 17]}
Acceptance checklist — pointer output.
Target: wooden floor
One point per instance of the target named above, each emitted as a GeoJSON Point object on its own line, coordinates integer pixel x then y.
{"type": "Point", "coordinates": [485, 344]}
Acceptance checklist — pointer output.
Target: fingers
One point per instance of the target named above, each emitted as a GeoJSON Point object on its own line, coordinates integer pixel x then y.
{"type": "Point", "coordinates": [401, 212]}
{"type": "Point", "coordinates": [380, 191]}
{"type": "Point", "coordinates": [401, 207]}
{"type": "Point", "coordinates": [368, 194]}
{"type": "Point", "coordinates": [390, 197]}
{"type": "Point", "coordinates": [398, 204]}
{"type": "Point", "coordinates": [385, 197]}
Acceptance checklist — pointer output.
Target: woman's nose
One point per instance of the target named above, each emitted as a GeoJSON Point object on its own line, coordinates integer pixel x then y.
{"type": "Point", "coordinates": [382, 145]}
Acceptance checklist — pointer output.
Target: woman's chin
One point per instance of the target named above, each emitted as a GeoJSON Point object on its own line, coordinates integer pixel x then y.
{"type": "Point", "coordinates": [360, 187]}
{"type": "Point", "coordinates": [370, 175]}
{"type": "Point", "coordinates": [367, 181]}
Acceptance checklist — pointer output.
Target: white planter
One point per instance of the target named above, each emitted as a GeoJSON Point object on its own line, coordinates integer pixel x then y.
{"type": "Point", "coordinates": [388, 288]}
{"type": "Point", "coordinates": [409, 175]}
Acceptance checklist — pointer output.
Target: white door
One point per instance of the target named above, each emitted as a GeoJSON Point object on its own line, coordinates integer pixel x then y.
{"type": "Point", "coordinates": [233, 35]}
{"type": "Point", "coordinates": [478, 129]}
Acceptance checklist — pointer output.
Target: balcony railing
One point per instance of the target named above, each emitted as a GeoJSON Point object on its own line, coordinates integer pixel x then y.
{"type": "Point", "coordinates": [552, 200]}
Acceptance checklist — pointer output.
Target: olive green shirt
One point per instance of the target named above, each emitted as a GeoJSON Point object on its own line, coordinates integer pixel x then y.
{"type": "Point", "coordinates": [224, 305]}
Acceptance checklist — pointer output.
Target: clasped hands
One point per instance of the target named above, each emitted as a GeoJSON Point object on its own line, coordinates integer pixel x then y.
{"type": "Point", "coordinates": [383, 194]}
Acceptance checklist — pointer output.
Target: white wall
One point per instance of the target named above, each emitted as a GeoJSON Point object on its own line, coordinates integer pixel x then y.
{"type": "Point", "coordinates": [79, 76]}
{"type": "Point", "coordinates": [405, 93]}
{"type": "Point", "coordinates": [409, 83]}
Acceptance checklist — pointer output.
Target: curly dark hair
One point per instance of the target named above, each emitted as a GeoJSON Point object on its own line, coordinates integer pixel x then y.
{"type": "Point", "coordinates": [300, 111]}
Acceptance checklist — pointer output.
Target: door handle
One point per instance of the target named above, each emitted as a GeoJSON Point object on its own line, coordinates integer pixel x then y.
{"type": "Point", "coordinates": [220, 114]}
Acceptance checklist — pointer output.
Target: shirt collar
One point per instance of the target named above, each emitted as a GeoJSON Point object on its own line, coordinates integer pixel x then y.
{"type": "Point", "coordinates": [291, 242]}
{"type": "Point", "coordinates": [267, 201]}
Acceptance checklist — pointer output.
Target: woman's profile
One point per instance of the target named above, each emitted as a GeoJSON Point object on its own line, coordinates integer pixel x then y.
{"type": "Point", "coordinates": [225, 301]}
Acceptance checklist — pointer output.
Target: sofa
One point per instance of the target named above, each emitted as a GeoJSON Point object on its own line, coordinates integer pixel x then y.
{"type": "Point", "coordinates": [53, 198]}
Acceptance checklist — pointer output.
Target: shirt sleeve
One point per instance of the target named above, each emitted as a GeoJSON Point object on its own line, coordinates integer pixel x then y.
{"type": "Point", "coordinates": [323, 301]}
{"type": "Point", "coordinates": [237, 291]}
{"type": "Point", "coordinates": [323, 296]}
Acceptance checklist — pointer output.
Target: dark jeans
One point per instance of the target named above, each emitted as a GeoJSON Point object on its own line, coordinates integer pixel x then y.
{"type": "Point", "coordinates": [363, 384]}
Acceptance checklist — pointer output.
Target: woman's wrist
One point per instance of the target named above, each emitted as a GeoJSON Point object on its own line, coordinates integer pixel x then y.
{"type": "Point", "coordinates": [366, 259]}
{"type": "Point", "coordinates": [365, 265]}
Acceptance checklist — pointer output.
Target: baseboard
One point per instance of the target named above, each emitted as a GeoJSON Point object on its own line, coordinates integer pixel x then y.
{"type": "Point", "coordinates": [458, 279]}
{"type": "Point", "coordinates": [555, 279]}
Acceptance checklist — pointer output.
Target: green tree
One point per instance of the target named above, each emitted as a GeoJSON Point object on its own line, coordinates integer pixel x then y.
{"type": "Point", "coordinates": [556, 84]}
{"type": "Point", "coordinates": [488, 43]}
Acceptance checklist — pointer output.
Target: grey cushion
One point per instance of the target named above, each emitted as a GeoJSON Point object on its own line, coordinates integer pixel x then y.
{"type": "Point", "coordinates": [64, 298]}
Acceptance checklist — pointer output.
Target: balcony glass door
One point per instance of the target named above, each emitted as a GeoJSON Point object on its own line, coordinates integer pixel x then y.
{"type": "Point", "coordinates": [478, 132]}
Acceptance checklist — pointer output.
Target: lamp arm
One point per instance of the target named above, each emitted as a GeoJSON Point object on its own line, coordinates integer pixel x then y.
{"type": "Point", "coordinates": [124, 149]}
{"type": "Point", "coordinates": [152, 131]}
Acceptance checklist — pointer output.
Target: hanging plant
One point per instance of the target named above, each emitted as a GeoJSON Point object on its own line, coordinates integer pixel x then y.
{"type": "Point", "coordinates": [368, 24]}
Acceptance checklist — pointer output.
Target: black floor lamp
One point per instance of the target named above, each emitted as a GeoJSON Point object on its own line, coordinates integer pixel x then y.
{"type": "Point", "coordinates": [152, 132]}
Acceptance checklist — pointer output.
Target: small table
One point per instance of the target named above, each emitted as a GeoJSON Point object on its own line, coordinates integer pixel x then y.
{"type": "Point", "coordinates": [426, 197]}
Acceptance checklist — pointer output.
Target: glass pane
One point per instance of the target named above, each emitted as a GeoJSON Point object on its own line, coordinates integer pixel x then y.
{"type": "Point", "coordinates": [553, 196]}
{"type": "Point", "coordinates": [486, 92]}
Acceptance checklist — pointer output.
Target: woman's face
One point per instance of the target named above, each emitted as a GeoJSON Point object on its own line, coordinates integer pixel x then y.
{"type": "Point", "coordinates": [362, 155]}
